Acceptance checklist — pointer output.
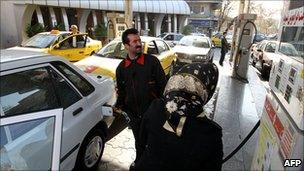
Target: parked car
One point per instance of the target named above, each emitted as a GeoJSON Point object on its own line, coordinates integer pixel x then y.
{"type": "Point", "coordinates": [108, 58]}
{"type": "Point", "coordinates": [193, 49]}
{"type": "Point", "coordinates": [60, 43]}
{"type": "Point", "coordinates": [33, 85]}
{"type": "Point", "coordinates": [217, 39]}
{"type": "Point", "coordinates": [198, 34]}
{"type": "Point", "coordinates": [171, 38]}
{"type": "Point", "coordinates": [259, 37]}
{"type": "Point", "coordinates": [265, 53]}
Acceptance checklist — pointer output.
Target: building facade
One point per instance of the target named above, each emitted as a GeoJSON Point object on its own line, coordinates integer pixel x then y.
{"type": "Point", "coordinates": [203, 15]}
{"type": "Point", "coordinates": [151, 17]}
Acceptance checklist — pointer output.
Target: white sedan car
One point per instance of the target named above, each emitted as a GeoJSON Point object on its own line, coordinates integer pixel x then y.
{"type": "Point", "coordinates": [51, 113]}
{"type": "Point", "coordinates": [193, 49]}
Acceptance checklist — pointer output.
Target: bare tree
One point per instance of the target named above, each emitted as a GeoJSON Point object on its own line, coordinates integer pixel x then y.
{"type": "Point", "coordinates": [226, 8]}
{"type": "Point", "coordinates": [265, 21]}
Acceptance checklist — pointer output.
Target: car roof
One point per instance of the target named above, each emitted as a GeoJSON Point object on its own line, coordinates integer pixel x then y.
{"type": "Point", "coordinates": [56, 33]}
{"type": "Point", "coordinates": [12, 58]}
{"type": "Point", "coordinates": [197, 37]}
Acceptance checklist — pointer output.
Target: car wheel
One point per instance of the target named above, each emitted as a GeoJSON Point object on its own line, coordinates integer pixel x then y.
{"type": "Point", "coordinates": [253, 61]}
{"type": "Point", "coordinates": [91, 151]}
{"type": "Point", "coordinates": [171, 70]}
{"type": "Point", "coordinates": [265, 72]}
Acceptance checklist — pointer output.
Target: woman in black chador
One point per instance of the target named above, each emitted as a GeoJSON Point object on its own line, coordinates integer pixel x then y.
{"type": "Point", "coordinates": [176, 133]}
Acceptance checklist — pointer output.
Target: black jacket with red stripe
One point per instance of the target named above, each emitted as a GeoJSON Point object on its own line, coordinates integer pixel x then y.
{"type": "Point", "coordinates": [139, 82]}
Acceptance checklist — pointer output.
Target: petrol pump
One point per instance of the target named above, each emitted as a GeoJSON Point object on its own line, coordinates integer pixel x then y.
{"type": "Point", "coordinates": [116, 25]}
{"type": "Point", "coordinates": [244, 31]}
{"type": "Point", "coordinates": [280, 143]}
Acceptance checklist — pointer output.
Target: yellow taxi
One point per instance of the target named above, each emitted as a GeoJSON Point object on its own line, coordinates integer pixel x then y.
{"type": "Point", "coordinates": [108, 58]}
{"type": "Point", "coordinates": [216, 39]}
{"type": "Point", "coordinates": [73, 47]}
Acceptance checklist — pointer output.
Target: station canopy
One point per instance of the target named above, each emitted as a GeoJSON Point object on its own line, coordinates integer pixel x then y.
{"type": "Point", "coordinates": [144, 6]}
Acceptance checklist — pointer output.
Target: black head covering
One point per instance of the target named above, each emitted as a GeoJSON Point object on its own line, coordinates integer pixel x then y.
{"type": "Point", "coordinates": [187, 92]}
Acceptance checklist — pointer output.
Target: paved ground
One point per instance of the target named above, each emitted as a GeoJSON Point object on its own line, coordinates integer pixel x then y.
{"type": "Point", "coordinates": [236, 106]}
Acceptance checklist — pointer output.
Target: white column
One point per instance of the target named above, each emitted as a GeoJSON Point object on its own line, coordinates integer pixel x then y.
{"type": "Point", "coordinates": [105, 18]}
{"type": "Point", "coordinates": [94, 18]}
{"type": "Point", "coordinates": [169, 23]}
{"type": "Point", "coordinates": [146, 22]}
{"type": "Point", "coordinates": [158, 21]}
{"type": "Point", "coordinates": [138, 22]}
{"type": "Point", "coordinates": [39, 15]}
{"type": "Point", "coordinates": [65, 19]}
{"type": "Point", "coordinates": [53, 16]}
{"type": "Point", "coordinates": [175, 23]}
{"type": "Point", "coordinates": [183, 20]}
{"type": "Point", "coordinates": [83, 20]}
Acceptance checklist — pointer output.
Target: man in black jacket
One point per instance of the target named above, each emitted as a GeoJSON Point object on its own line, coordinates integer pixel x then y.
{"type": "Point", "coordinates": [224, 48]}
{"type": "Point", "coordinates": [140, 80]}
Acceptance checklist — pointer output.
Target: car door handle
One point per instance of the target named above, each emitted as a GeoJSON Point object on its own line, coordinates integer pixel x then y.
{"type": "Point", "coordinates": [77, 111]}
{"type": "Point", "coordinates": [81, 52]}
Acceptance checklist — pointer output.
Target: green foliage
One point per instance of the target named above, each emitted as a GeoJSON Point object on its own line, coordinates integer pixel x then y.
{"type": "Point", "coordinates": [188, 29]}
{"type": "Point", "coordinates": [32, 30]}
{"type": "Point", "coordinates": [60, 27]}
{"type": "Point", "coordinates": [100, 31]}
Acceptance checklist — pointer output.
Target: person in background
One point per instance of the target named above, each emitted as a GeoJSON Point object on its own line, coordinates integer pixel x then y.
{"type": "Point", "coordinates": [140, 79]}
{"type": "Point", "coordinates": [224, 48]}
{"type": "Point", "coordinates": [175, 132]}
{"type": "Point", "coordinates": [74, 30]}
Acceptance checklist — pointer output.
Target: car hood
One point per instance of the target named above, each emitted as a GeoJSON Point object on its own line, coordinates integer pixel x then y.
{"type": "Point", "coordinates": [29, 49]}
{"type": "Point", "coordinates": [99, 65]}
{"type": "Point", "coordinates": [190, 50]}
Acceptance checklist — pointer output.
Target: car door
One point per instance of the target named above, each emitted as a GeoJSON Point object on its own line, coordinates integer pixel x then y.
{"type": "Point", "coordinates": [79, 116]}
{"type": "Point", "coordinates": [165, 55]}
{"type": "Point", "coordinates": [72, 48]}
{"type": "Point", "coordinates": [31, 123]}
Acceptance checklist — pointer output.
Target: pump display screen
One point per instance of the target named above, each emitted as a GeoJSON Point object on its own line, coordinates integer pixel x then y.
{"type": "Point", "coordinates": [246, 32]}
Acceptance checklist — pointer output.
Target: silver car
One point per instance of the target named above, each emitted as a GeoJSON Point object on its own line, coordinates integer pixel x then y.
{"type": "Point", "coordinates": [51, 113]}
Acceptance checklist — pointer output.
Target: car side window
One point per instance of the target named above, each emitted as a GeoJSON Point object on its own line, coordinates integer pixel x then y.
{"type": "Point", "coordinates": [77, 80]}
{"type": "Point", "coordinates": [27, 91]}
{"type": "Point", "coordinates": [262, 46]}
{"type": "Point", "coordinates": [161, 46]}
{"type": "Point", "coordinates": [66, 94]}
{"type": "Point", "coordinates": [270, 47]}
{"type": "Point", "coordinates": [76, 41]}
{"type": "Point", "coordinates": [169, 37]}
{"type": "Point", "coordinates": [152, 48]}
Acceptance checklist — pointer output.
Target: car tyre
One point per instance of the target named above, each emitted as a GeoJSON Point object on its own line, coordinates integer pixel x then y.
{"type": "Point", "coordinates": [253, 61]}
{"type": "Point", "coordinates": [171, 70]}
{"type": "Point", "coordinates": [265, 72]}
{"type": "Point", "coordinates": [91, 151]}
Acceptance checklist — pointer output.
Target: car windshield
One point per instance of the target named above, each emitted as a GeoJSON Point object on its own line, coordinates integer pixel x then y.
{"type": "Point", "coordinates": [288, 49]}
{"type": "Point", "coordinates": [40, 41]}
{"type": "Point", "coordinates": [196, 41]}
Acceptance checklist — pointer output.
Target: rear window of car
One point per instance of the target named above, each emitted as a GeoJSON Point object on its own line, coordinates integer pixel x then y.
{"type": "Point", "coordinates": [27, 91]}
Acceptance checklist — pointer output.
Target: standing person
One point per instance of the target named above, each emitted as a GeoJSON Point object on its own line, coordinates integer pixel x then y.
{"type": "Point", "coordinates": [224, 48]}
{"type": "Point", "coordinates": [176, 133]}
{"type": "Point", "coordinates": [74, 30]}
{"type": "Point", "coordinates": [140, 79]}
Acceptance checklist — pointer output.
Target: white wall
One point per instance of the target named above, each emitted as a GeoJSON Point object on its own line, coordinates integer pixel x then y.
{"type": "Point", "coordinates": [9, 33]}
